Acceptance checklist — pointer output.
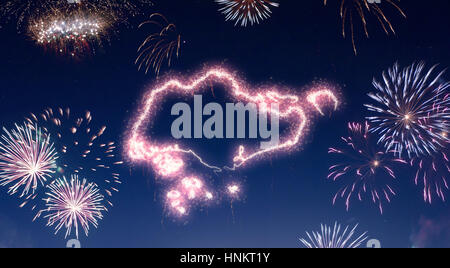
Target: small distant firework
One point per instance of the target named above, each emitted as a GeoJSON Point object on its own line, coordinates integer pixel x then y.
{"type": "Point", "coordinates": [160, 46]}
{"type": "Point", "coordinates": [363, 8]}
{"type": "Point", "coordinates": [27, 159]}
{"type": "Point", "coordinates": [334, 238]}
{"type": "Point", "coordinates": [114, 11]}
{"type": "Point", "coordinates": [71, 27]}
{"type": "Point", "coordinates": [367, 169]}
{"type": "Point", "coordinates": [74, 35]}
{"type": "Point", "coordinates": [73, 203]}
{"type": "Point", "coordinates": [233, 190]}
{"type": "Point", "coordinates": [82, 147]}
{"type": "Point", "coordinates": [247, 11]}
{"type": "Point", "coordinates": [407, 114]}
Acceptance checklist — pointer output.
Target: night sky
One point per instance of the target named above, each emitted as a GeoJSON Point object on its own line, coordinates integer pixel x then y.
{"type": "Point", "coordinates": [283, 197]}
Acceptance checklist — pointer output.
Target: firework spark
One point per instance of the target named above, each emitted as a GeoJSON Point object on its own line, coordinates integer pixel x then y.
{"type": "Point", "coordinates": [291, 108]}
{"type": "Point", "coordinates": [168, 160]}
{"type": "Point", "coordinates": [83, 148]}
{"type": "Point", "coordinates": [73, 204]}
{"type": "Point", "coordinates": [233, 189]}
{"type": "Point", "coordinates": [27, 159]}
{"type": "Point", "coordinates": [246, 11]}
{"type": "Point", "coordinates": [334, 238]}
{"type": "Point", "coordinates": [363, 8]}
{"type": "Point", "coordinates": [369, 171]}
{"type": "Point", "coordinates": [159, 46]}
{"type": "Point", "coordinates": [408, 118]}
{"type": "Point", "coordinates": [190, 190]}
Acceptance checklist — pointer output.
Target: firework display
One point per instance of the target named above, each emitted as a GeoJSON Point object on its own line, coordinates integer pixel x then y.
{"type": "Point", "coordinates": [406, 113]}
{"type": "Point", "coordinates": [336, 237]}
{"type": "Point", "coordinates": [246, 12]}
{"type": "Point", "coordinates": [82, 147]}
{"type": "Point", "coordinates": [27, 160]}
{"type": "Point", "coordinates": [362, 9]}
{"type": "Point", "coordinates": [160, 46]}
{"type": "Point", "coordinates": [211, 156]}
{"type": "Point", "coordinates": [73, 203]}
{"type": "Point", "coordinates": [365, 170]}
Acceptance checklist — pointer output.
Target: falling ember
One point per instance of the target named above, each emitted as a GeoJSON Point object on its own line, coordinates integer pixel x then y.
{"type": "Point", "coordinates": [349, 9]}
{"type": "Point", "coordinates": [246, 12]}
{"type": "Point", "coordinates": [161, 46]}
{"type": "Point", "coordinates": [27, 159]}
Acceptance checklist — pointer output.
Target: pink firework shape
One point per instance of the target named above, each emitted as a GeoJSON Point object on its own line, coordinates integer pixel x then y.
{"type": "Point", "coordinates": [167, 159]}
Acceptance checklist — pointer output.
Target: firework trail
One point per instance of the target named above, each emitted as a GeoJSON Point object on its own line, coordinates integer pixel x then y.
{"type": "Point", "coordinates": [334, 238]}
{"type": "Point", "coordinates": [365, 169]}
{"type": "Point", "coordinates": [169, 160]}
{"type": "Point", "coordinates": [362, 9]}
{"type": "Point", "coordinates": [246, 11]}
{"type": "Point", "coordinates": [432, 172]}
{"type": "Point", "coordinates": [407, 116]}
{"type": "Point", "coordinates": [83, 148]}
{"type": "Point", "coordinates": [160, 46]}
{"type": "Point", "coordinates": [73, 204]}
{"type": "Point", "coordinates": [27, 159]}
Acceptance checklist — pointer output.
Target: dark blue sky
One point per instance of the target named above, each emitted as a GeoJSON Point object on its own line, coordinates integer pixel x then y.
{"type": "Point", "coordinates": [284, 197]}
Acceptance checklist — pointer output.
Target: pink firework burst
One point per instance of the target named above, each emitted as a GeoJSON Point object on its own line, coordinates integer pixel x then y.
{"type": "Point", "coordinates": [27, 159]}
{"type": "Point", "coordinates": [364, 168]}
{"type": "Point", "coordinates": [73, 203]}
